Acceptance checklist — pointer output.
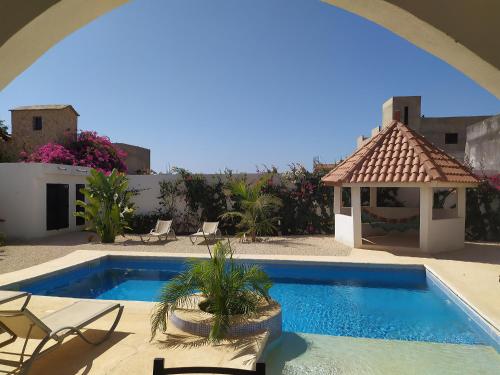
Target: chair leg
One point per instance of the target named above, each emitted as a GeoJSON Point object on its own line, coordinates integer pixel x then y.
{"type": "Point", "coordinates": [106, 336]}
{"type": "Point", "coordinates": [12, 335]}
{"type": "Point", "coordinates": [145, 240]}
{"type": "Point", "coordinates": [26, 366]}
{"type": "Point", "coordinates": [8, 341]}
{"type": "Point", "coordinates": [192, 241]}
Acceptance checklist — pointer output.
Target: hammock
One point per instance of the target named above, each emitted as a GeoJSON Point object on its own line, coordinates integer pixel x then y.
{"type": "Point", "coordinates": [386, 224]}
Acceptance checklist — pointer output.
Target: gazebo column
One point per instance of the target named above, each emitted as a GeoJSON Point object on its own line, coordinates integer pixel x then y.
{"type": "Point", "coordinates": [373, 197]}
{"type": "Point", "coordinates": [356, 215]}
{"type": "Point", "coordinates": [461, 202]}
{"type": "Point", "coordinates": [337, 199]}
{"type": "Point", "coordinates": [426, 202]}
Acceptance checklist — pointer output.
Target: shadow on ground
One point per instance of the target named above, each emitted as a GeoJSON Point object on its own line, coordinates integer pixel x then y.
{"type": "Point", "coordinates": [475, 252]}
{"type": "Point", "coordinates": [243, 346]}
{"type": "Point", "coordinates": [72, 357]}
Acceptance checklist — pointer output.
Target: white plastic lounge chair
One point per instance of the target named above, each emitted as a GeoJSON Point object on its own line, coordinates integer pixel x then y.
{"type": "Point", "coordinates": [7, 296]}
{"type": "Point", "coordinates": [56, 326]}
{"type": "Point", "coordinates": [208, 231]}
{"type": "Point", "coordinates": [162, 228]}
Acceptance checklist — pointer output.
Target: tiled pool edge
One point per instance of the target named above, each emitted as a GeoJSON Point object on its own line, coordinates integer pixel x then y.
{"type": "Point", "coordinates": [480, 319]}
{"type": "Point", "coordinates": [83, 257]}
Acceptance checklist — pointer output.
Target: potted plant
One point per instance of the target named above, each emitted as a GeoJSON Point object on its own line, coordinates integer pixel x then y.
{"type": "Point", "coordinates": [227, 289]}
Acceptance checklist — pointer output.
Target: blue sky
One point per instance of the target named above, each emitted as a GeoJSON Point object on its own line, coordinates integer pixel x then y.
{"type": "Point", "coordinates": [238, 83]}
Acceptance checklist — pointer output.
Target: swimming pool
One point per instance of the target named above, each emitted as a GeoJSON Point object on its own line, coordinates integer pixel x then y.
{"type": "Point", "coordinates": [371, 301]}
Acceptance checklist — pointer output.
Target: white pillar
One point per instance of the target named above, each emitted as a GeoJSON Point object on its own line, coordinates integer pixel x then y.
{"type": "Point", "coordinates": [373, 197]}
{"type": "Point", "coordinates": [461, 202]}
{"type": "Point", "coordinates": [337, 199]}
{"type": "Point", "coordinates": [356, 215]}
{"type": "Point", "coordinates": [426, 200]}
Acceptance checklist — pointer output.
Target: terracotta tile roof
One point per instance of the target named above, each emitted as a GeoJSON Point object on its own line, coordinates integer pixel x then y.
{"type": "Point", "coordinates": [398, 154]}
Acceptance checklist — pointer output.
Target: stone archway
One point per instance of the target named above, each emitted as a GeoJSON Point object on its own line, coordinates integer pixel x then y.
{"type": "Point", "coordinates": [27, 31]}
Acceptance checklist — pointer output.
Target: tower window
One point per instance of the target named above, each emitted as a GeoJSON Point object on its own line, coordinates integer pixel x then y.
{"type": "Point", "coordinates": [451, 138]}
{"type": "Point", "coordinates": [37, 123]}
{"type": "Point", "coordinates": [405, 118]}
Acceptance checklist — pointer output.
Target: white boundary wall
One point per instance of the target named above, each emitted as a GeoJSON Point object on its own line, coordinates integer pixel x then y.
{"type": "Point", "coordinates": [149, 189]}
{"type": "Point", "coordinates": [23, 190]}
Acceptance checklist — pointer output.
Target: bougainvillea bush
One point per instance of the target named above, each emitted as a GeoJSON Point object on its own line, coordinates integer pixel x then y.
{"type": "Point", "coordinates": [95, 151]}
{"type": "Point", "coordinates": [50, 153]}
{"type": "Point", "coordinates": [307, 204]}
{"type": "Point", "coordinates": [88, 150]}
{"type": "Point", "coordinates": [483, 205]}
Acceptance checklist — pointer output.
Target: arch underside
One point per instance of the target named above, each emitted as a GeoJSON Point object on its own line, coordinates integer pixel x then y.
{"type": "Point", "coordinates": [464, 34]}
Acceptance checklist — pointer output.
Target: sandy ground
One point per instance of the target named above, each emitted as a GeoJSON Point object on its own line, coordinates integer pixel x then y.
{"type": "Point", "coordinates": [22, 255]}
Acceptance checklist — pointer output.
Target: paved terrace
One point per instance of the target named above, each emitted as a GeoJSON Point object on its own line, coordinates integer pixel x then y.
{"type": "Point", "coordinates": [473, 273]}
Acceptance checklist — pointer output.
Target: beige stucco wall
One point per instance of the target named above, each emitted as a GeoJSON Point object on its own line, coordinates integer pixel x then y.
{"type": "Point", "coordinates": [138, 159]}
{"type": "Point", "coordinates": [432, 128]}
{"type": "Point", "coordinates": [56, 123]}
{"type": "Point", "coordinates": [435, 128]}
{"type": "Point", "coordinates": [483, 145]}
{"type": "Point", "coordinates": [398, 103]}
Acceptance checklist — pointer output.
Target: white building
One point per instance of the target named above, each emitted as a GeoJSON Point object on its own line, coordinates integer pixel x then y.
{"type": "Point", "coordinates": [38, 200]}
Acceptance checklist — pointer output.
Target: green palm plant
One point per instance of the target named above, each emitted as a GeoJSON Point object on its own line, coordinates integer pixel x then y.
{"type": "Point", "coordinates": [257, 209]}
{"type": "Point", "coordinates": [227, 289]}
{"type": "Point", "coordinates": [107, 206]}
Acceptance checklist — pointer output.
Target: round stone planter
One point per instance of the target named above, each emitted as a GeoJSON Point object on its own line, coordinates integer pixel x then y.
{"type": "Point", "coordinates": [198, 322]}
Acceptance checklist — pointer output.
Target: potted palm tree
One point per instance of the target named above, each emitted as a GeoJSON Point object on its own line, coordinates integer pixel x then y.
{"type": "Point", "coordinates": [257, 209]}
{"type": "Point", "coordinates": [217, 286]}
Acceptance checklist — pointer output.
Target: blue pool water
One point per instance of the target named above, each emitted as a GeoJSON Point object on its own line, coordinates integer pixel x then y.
{"type": "Point", "coordinates": [342, 300]}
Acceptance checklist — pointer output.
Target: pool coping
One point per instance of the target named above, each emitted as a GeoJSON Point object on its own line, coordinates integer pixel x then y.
{"type": "Point", "coordinates": [82, 257]}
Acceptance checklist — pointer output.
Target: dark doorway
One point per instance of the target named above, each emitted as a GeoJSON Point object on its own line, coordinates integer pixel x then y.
{"type": "Point", "coordinates": [79, 197]}
{"type": "Point", "coordinates": [57, 206]}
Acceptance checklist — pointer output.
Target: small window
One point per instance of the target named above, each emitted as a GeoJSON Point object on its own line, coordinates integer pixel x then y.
{"type": "Point", "coordinates": [37, 123]}
{"type": "Point", "coordinates": [451, 138]}
{"type": "Point", "coordinates": [405, 118]}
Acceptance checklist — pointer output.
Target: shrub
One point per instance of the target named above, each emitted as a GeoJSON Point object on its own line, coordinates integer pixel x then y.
{"type": "Point", "coordinates": [143, 223]}
{"type": "Point", "coordinates": [169, 192]}
{"type": "Point", "coordinates": [107, 204]}
{"type": "Point", "coordinates": [257, 209]}
{"type": "Point", "coordinates": [483, 206]}
{"type": "Point", "coordinates": [307, 204]}
{"type": "Point", "coordinates": [204, 201]}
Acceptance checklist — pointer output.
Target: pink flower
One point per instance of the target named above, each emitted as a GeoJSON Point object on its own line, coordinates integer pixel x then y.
{"type": "Point", "coordinates": [495, 181]}
{"type": "Point", "coordinates": [89, 150]}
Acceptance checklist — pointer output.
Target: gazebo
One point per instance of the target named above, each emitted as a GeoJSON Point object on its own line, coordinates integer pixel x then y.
{"type": "Point", "coordinates": [398, 157]}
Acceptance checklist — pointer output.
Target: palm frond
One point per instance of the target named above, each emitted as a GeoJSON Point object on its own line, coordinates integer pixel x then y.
{"type": "Point", "coordinates": [228, 288]}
